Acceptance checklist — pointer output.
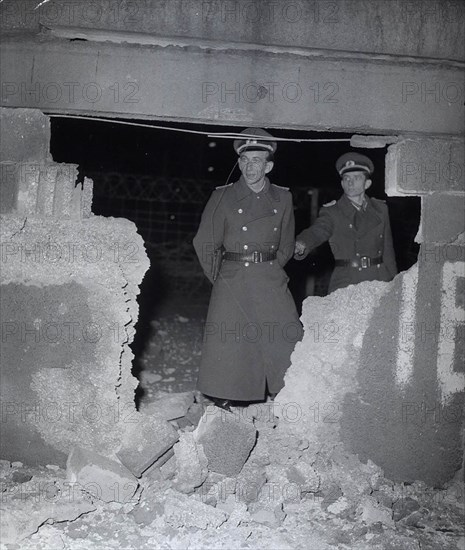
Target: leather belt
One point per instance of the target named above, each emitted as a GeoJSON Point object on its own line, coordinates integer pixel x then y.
{"type": "Point", "coordinates": [254, 257]}
{"type": "Point", "coordinates": [362, 263]}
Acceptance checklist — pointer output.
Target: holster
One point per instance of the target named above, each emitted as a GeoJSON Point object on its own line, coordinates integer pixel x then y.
{"type": "Point", "coordinates": [217, 260]}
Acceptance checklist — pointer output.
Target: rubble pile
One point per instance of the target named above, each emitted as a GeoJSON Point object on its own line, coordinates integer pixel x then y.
{"type": "Point", "coordinates": [233, 480]}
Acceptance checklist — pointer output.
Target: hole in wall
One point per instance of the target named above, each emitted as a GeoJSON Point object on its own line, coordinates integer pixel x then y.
{"type": "Point", "coordinates": [161, 180]}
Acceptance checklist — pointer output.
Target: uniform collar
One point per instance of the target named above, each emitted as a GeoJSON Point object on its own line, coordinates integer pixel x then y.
{"type": "Point", "coordinates": [346, 206]}
{"type": "Point", "coordinates": [243, 190]}
{"type": "Point", "coordinates": [362, 207]}
{"type": "Point", "coordinates": [372, 216]}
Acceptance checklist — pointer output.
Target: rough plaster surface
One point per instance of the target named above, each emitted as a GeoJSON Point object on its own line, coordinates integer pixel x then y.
{"type": "Point", "coordinates": [87, 274]}
{"type": "Point", "coordinates": [325, 363]}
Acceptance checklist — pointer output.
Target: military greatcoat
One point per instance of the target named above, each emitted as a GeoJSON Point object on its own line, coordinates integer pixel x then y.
{"type": "Point", "coordinates": [370, 236]}
{"type": "Point", "coordinates": [252, 324]}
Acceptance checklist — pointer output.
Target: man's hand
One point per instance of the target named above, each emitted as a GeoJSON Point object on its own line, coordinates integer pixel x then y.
{"type": "Point", "coordinates": [299, 249]}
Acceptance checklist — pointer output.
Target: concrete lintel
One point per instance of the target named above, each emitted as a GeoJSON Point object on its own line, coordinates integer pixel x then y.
{"type": "Point", "coordinates": [234, 88]}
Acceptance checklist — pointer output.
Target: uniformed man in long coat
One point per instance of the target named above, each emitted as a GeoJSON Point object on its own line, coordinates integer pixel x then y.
{"type": "Point", "coordinates": [356, 226]}
{"type": "Point", "coordinates": [246, 236]}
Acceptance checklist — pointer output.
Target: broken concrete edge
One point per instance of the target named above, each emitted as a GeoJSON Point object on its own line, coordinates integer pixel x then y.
{"type": "Point", "coordinates": [102, 477]}
{"type": "Point", "coordinates": [144, 441]}
{"type": "Point", "coordinates": [343, 487]}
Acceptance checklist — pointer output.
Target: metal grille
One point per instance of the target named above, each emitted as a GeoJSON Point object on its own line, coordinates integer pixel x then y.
{"type": "Point", "coordinates": [167, 214]}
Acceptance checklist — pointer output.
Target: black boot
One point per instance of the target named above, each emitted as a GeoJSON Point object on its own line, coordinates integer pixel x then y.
{"type": "Point", "coordinates": [224, 404]}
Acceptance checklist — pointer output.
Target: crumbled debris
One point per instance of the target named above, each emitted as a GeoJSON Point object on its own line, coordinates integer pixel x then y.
{"type": "Point", "coordinates": [288, 495]}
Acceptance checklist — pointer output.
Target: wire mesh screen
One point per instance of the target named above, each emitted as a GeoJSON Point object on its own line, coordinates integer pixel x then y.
{"type": "Point", "coordinates": [167, 213]}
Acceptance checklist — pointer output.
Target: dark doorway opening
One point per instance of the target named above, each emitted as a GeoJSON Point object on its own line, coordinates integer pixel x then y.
{"type": "Point", "coordinates": [161, 179]}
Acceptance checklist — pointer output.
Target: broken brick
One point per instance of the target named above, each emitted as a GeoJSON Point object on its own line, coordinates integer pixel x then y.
{"type": "Point", "coordinates": [145, 442]}
{"type": "Point", "coordinates": [100, 476]}
{"type": "Point", "coordinates": [226, 440]}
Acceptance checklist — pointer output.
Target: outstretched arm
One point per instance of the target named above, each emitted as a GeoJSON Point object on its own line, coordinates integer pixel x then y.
{"type": "Point", "coordinates": [314, 235]}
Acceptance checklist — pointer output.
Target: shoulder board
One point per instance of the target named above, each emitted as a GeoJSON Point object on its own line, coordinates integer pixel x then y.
{"type": "Point", "coordinates": [280, 187]}
{"type": "Point", "coordinates": [332, 203]}
{"type": "Point", "coordinates": [378, 200]}
{"type": "Point", "coordinates": [223, 186]}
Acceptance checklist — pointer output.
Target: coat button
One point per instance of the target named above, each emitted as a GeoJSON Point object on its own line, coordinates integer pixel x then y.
{"type": "Point", "coordinates": [258, 197]}
{"type": "Point", "coordinates": [275, 229]}
{"type": "Point", "coordinates": [350, 225]}
{"type": "Point", "coordinates": [379, 251]}
{"type": "Point", "coordinates": [240, 211]}
{"type": "Point", "coordinates": [360, 269]}
{"type": "Point", "coordinates": [357, 254]}
{"type": "Point", "coordinates": [272, 246]}
{"type": "Point", "coordinates": [246, 246]}
{"type": "Point", "coordinates": [275, 211]}
{"type": "Point", "coordinates": [380, 236]}
{"type": "Point", "coordinates": [246, 264]}
{"type": "Point", "coordinates": [244, 228]}
{"type": "Point", "coordinates": [271, 263]}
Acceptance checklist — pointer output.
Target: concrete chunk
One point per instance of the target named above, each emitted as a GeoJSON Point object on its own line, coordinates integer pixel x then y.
{"type": "Point", "coordinates": [226, 439]}
{"type": "Point", "coordinates": [100, 476]}
{"type": "Point", "coordinates": [170, 406]}
{"type": "Point", "coordinates": [422, 166]}
{"type": "Point", "coordinates": [145, 441]}
{"type": "Point", "coordinates": [191, 464]}
{"type": "Point", "coordinates": [25, 135]}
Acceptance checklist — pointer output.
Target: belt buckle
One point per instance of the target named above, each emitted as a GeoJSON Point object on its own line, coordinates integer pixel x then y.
{"type": "Point", "coordinates": [364, 262]}
{"type": "Point", "coordinates": [256, 257]}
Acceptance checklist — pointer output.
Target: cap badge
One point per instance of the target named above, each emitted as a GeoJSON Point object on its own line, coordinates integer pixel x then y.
{"type": "Point", "coordinates": [350, 163]}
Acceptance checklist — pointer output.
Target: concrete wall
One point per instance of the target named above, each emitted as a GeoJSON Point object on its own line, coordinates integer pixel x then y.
{"type": "Point", "coordinates": [376, 69]}
{"type": "Point", "coordinates": [69, 282]}
{"type": "Point", "coordinates": [386, 67]}
{"type": "Point", "coordinates": [381, 366]}
{"type": "Point", "coordinates": [417, 28]}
